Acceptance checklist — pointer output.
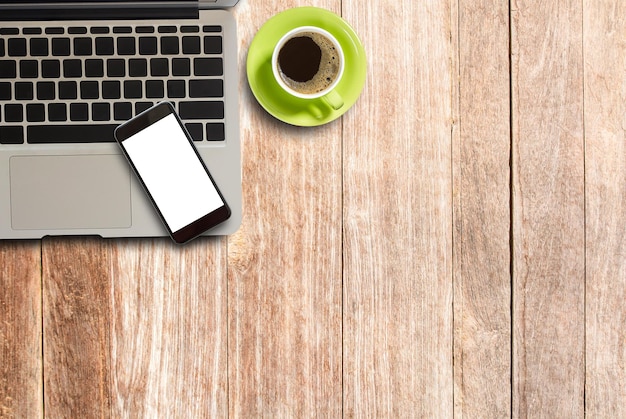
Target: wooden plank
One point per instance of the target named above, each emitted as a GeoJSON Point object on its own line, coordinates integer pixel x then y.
{"type": "Point", "coordinates": [21, 386]}
{"type": "Point", "coordinates": [285, 261]}
{"type": "Point", "coordinates": [135, 328]}
{"type": "Point", "coordinates": [605, 163]}
{"type": "Point", "coordinates": [548, 209]}
{"type": "Point", "coordinates": [398, 215]}
{"type": "Point", "coordinates": [482, 291]}
{"type": "Point", "coordinates": [76, 319]}
{"type": "Point", "coordinates": [168, 328]}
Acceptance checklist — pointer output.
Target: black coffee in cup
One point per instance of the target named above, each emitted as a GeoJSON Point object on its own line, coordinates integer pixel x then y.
{"type": "Point", "coordinates": [309, 62]}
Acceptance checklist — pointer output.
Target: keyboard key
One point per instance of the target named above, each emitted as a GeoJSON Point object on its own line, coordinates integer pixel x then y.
{"type": "Point", "coordinates": [142, 106]}
{"type": "Point", "coordinates": [13, 112]}
{"type": "Point", "coordinates": [94, 67]}
{"type": "Point", "coordinates": [206, 88]}
{"type": "Point", "coordinates": [211, 29]}
{"type": "Point", "coordinates": [122, 111]}
{"type": "Point", "coordinates": [38, 47]}
{"type": "Point", "coordinates": [76, 30]}
{"type": "Point", "coordinates": [111, 89]}
{"type": "Point", "coordinates": [147, 45]}
{"type": "Point", "coordinates": [72, 68]}
{"type": "Point", "coordinates": [88, 133]}
{"type": "Point", "coordinates": [50, 69]}
{"type": "Point", "coordinates": [89, 90]}
{"type": "Point", "coordinates": [122, 29]}
{"type": "Point", "coordinates": [144, 29]}
{"type": "Point", "coordinates": [132, 89]}
{"type": "Point", "coordinates": [181, 67]}
{"type": "Point", "coordinates": [7, 69]}
{"type": "Point", "coordinates": [207, 66]}
{"type": "Point", "coordinates": [24, 91]}
{"type": "Point", "coordinates": [57, 112]}
{"type": "Point", "coordinates": [189, 29]}
{"type": "Point", "coordinates": [5, 91]}
{"type": "Point", "coordinates": [54, 31]}
{"type": "Point", "coordinates": [2, 47]}
{"type": "Point", "coordinates": [116, 68]}
{"type": "Point", "coordinates": [104, 46]}
{"type": "Point", "coordinates": [167, 29]}
{"type": "Point", "coordinates": [191, 45]}
{"type": "Point", "coordinates": [82, 46]}
{"type": "Point", "coordinates": [100, 111]}
{"type": "Point", "coordinates": [11, 135]}
{"type": "Point", "coordinates": [176, 88]}
{"type": "Point", "coordinates": [35, 112]}
{"type": "Point", "coordinates": [126, 45]}
{"type": "Point", "coordinates": [61, 47]}
{"type": "Point", "coordinates": [31, 31]}
{"type": "Point", "coordinates": [195, 130]}
{"type": "Point", "coordinates": [201, 110]}
{"type": "Point", "coordinates": [29, 69]}
{"type": "Point", "coordinates": [68, 90]}
{"type": "Point", "coordinates": [159, 67]}
{"type": "Point", "coordinates": [154, 89]}
{"type": "Point", "coordinates": [17, 47]}
{"type": "Point", "coordinates": [169, 45]}
{"type": "Point", "coordinates": [45, 90]}
{"type": "Point", "coordinates": [137, 67]}
{"type": "Point", "coordinates": [215, 131]}
{"type": "Point", "coordinates": [79, 112]}
{"type": "Point", "coordinates": [212, 44]}
{"type": "Point", "coordinates": [9, 31]}
{"type": "Point", "coordinates": [99, 30]}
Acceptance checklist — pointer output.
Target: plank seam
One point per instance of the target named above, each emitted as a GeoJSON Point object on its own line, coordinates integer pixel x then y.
{"type": "Point", "coordinates": [582, 46]}
{"type": "Point", "coordinates": [511, 219]}
{"type": "Point", "coordinates": [43, 335]}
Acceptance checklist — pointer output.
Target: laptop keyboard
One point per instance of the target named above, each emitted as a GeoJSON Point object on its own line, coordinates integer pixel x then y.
{"type": "Point", "coordinates": [76, 84]}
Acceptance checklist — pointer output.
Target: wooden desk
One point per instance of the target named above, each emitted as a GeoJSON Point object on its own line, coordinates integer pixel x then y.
{"type": "Point", "coordinates": [453, 246]}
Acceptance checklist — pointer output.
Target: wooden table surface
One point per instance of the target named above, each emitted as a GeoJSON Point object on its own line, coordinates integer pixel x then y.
{"type": "Point", "coordinates": [453, 246]}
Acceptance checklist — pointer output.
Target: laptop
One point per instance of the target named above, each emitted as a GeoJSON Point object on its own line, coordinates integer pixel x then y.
{"type": "Point", "coordinates": [71, 72]}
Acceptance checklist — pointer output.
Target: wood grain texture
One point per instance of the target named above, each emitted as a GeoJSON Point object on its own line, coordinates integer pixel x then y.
{"type": "Point", "coordinates": [605, 163]}
{"type": "Point", "coordinates": [397, 189]}
{"type": "Point", "coordinates": [168, 329]}
{"type": "Point", "coordinates": [482, 292]}
{"type": "Point", "coordinates": [21, 386]}
{"type": "Point", "coordinates": [135, 328]}
{"type": "Point", "coordinates": [548, 209]}
{"type": "Point", "coordinates": [76, 319]}
{"type": "Point", "coordinates": [285, 261]}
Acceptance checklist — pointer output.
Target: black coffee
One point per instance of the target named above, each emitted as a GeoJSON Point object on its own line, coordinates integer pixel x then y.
{"type": "Point", "coordinates": [299, 58]}
{"type": "Point", "coordinates": [309, 62]}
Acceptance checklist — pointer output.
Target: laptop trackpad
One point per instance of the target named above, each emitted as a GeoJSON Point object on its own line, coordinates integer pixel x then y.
{"type": "Point", "coordinates": [70, 192]}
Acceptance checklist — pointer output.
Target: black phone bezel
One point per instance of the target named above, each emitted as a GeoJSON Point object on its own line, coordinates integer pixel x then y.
{"type": "Point", "coordinates": [141, 122]}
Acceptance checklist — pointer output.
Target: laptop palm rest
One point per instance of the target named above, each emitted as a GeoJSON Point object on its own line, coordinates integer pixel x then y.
{"type": "Point", "coordinates": [70, 192]}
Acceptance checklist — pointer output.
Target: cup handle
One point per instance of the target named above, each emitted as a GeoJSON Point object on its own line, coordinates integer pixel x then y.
{"type": "Point", "coordinates": [334, 99]}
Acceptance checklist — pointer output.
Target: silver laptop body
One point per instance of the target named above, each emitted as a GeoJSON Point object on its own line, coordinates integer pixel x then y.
{"type": "Point", "coordinates": [70, 72]}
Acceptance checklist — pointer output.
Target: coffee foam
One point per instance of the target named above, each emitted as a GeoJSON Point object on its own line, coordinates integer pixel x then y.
{"type": "Point", "coordinates": [328, 71]}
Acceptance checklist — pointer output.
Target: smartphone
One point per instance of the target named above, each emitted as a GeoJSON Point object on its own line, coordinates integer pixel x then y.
{"type": "Point", "coordinates": [164, 158]}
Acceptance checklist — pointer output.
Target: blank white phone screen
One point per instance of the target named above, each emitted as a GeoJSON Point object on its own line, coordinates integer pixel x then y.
{"type": "Point", "coordinates": [171, 171]}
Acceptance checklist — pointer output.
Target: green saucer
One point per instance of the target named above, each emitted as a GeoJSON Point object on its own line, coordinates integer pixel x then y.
{"type": "Point", "coordinates": [281, 105]}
